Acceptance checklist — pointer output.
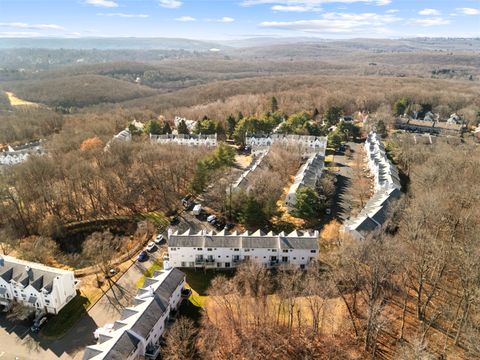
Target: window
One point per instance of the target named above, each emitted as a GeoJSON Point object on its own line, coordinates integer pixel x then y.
{"type": "Point", "coordinates": [313, 251]}
{"type": "Point", "coordinates": [227, 264]}
{"type": "Point", "coordinates": [184, 264]}
{"type": "Point", "coordinates": [294, 258]}
{"type": "Point", "coordinates": [209, 249]}
{"type": "Point", "coordinates": [246, 250]}
{"type": "Point", "coordinates": [228, 256]}
{"type": "Point", "coordinates": [236, 249]}
{"type": "Point", "coordinates": [285, 251]}
{"type": "Point", "coordinates": [284, 259]}
{"type": "Point", "coordinates": [199, 249]}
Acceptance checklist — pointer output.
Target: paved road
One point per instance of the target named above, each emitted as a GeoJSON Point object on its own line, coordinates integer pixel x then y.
{"type": "Point", "coordinates": [342, 202]}
{"type": "Point", "coordinates": [16, 341]}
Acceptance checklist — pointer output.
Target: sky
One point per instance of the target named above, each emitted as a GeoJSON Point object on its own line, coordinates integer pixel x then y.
{"type": "Point", "coordinates": [236, 19]}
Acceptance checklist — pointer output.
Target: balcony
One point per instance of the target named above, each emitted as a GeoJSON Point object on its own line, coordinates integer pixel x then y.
{"type": "Point", "coordinates": [199, 261]}
{"type": "Point", "coordinates": [152, 351]}
{"type": "Point", "coordinates": [210, 262]}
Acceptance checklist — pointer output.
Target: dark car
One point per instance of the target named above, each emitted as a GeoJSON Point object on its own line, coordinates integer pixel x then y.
{"type": "Point", "coordinates": [229, 226]}
{"type": "Point", "coordinates": [219, 224]}
{"type": "Point", "coordinates": [143, 256]}
{"type": "Point", "coordinates": [174, 220]}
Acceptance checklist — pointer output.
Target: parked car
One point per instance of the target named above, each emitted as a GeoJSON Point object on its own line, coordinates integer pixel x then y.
{"type": "Point", "coordinates": [229, 226]}
{"type": "Point", "coordinates": [219, 224]}
{"type": "Point", "coordinates": [37, 324]}
{"type": "Point", "coordinates": [211, 218]}
{"type": "Point", "coordinates": [150, 247]}
{"type": "Point", "coordinates": [174, 220]}
{"type": "Point", "coordinates": [159, 239]}
{"type": "Point", "coordinates": [202, 216]}
{"type": "Point", "coordinates": [143, 256]}
{"type": "Point", "coordinates": [187, 201]}
{"type": "Point", "coordinates": [197, 209]}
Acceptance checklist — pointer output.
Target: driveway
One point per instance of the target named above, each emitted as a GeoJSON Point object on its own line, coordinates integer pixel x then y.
{"type": "Point", "coordinates": [17, 342]}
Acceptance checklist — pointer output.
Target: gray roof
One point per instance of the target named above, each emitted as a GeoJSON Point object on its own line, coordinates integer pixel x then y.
{"type": "Point", "coordinates": [126, 344]}
{"type": "Point", "coordinates": [258, 240]}
{"type": "Point", "coordinates": [38, 278]}
{"type": "Point", "coordinates": [90, 353]}
{"type": "Point", "coordinates": [186, 241]}
{"type": "Point", "coordinates": [150, 316]}
{"type": "Point", "coordinates": [367, 225]}
{"type": "Point", "coordinates": [298, 243]}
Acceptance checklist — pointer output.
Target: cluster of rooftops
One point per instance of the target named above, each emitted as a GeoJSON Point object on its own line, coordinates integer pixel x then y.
{"type": "Point", "coordinates": [242, 181]}
{"type": "Point", "coordinates": [309, 141]}
{"type": "Point", "coordinates": [387, 188]}
{"type": "Point", "coordinates": [139, 327]}
{"type": "Point", "coordinates": [26, 274]}
{"type": "Point", "coordinates": [307, 176]}
{"type": "Point", "coordinates": [246, 240]}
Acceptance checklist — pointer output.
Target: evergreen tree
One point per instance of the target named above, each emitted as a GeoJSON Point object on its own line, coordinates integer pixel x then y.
{"type": "Point", "coordinates": [153, 127]}
{"type": "Point", "coordinates": [332, 115]}
{"type": "Point", "coordinates": [166, 128]}
{"type": "Point", "coordinates": [381, 128]}
{"type": "Point", "coordinates": [251, 214]}
{"type": "Point", "coordinates": [231, 123]}
{"type": "Point", "coordinates": [182, 128]}
{"type": "Point", "coordinates": [308, 205]}
{"type": "Point", "coordinates": [274, 104]}
{"type": "Point", "coordinates": [400, 106]}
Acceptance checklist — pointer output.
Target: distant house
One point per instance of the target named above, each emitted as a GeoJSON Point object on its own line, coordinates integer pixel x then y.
{"type": "Point", "coordinates": [185, 139]}
{"type": "Point", "coordinates": [138, 333]}
{"type": "Point", "coordinates": [311, 143]}
{"type": "Point", "coordinates": [228, 250]}
{"type": "Point", "coordinates": [20, 153]}
{"type": "Point", "coordinates": [40, 287]}
{"type": "Point", "coordinates": [454, 119]}
{"type": "Point", "coordinates": [189, 123]}
{"type": "Point", "coordinates": [430, 127]}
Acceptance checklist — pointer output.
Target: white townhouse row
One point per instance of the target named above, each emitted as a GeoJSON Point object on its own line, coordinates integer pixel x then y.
{"type": "Point", "coordinates": [185, 139]}
{"type": "Point", "coordinates": [137, 335]}
{"type": "Point", "coordinates": [18, 154]}
{"type": "Point", "coordinates": [224, 250]}
{"type": "Point", "coordinates": [43, 288]}
{"type": "Point", "coordinates": [385, 173]}
{"type": "Point", "coordinates": [307, 176]}
{"type": "Point", "coordinates": [311, 143]}
{"type": "Point", "coordinates": [242, 181]}
{"type": "Point", "coordinates": [387, 188]}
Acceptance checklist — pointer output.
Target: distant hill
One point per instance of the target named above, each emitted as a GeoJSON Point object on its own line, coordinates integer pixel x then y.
{"type": "Point", "coordinates": [109, 43]}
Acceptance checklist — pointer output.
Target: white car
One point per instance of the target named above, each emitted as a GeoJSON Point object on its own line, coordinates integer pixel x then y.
{"type": "Point", "coordinates": [211, 218]}
{"type": "Point", "coordinates": [150, 246]}
{"type": "Point", "coordinates": [158, 239]}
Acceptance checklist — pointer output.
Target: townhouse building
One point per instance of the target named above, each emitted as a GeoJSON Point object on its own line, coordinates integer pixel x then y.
{"type": "Point", "coordinates": [138, 333]}
{"type": "Point", "coordinates": [44, 289]}
{"type": "Point", "coordinates": [228, 250]}
{"type": "Point", "coordinates": [185, 139]}
{"type": "Point", "coordinates": [387, 188]}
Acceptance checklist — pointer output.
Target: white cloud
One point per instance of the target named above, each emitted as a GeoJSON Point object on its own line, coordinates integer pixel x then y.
{"type": "Point", "coordinates": [225, 19]}
{"type": "Point", "coordinates": [468, 11]}
{"type": "Point", "coordinates": [311, 3]}
{"type": "Point", "coordinates": [295, 8]}
{"type": "Point", "coordinates": [123, 15]}
{"type": "Point", "coordinates": [102, 3]}
{"type": "Point", "coordinates": [9, 34]}
{"type": "Point", "coordinates": [170, 4]}
{"type": "Point", "coordinates": [19, 25]}
{"type": "Point", "coordinates": [434, 21]}
{"type": "Point", "coordinates": [185, 18]}
{"type": "Point", "coordinates": [392, 11]}
{"type": "Point", "coordinates": [346, 23]}
{"type": "Point", "coordinates": [429, 12]}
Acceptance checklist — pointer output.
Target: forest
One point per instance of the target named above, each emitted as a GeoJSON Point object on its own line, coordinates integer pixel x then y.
{"type": "Point", "coordinates": [408, 291]}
